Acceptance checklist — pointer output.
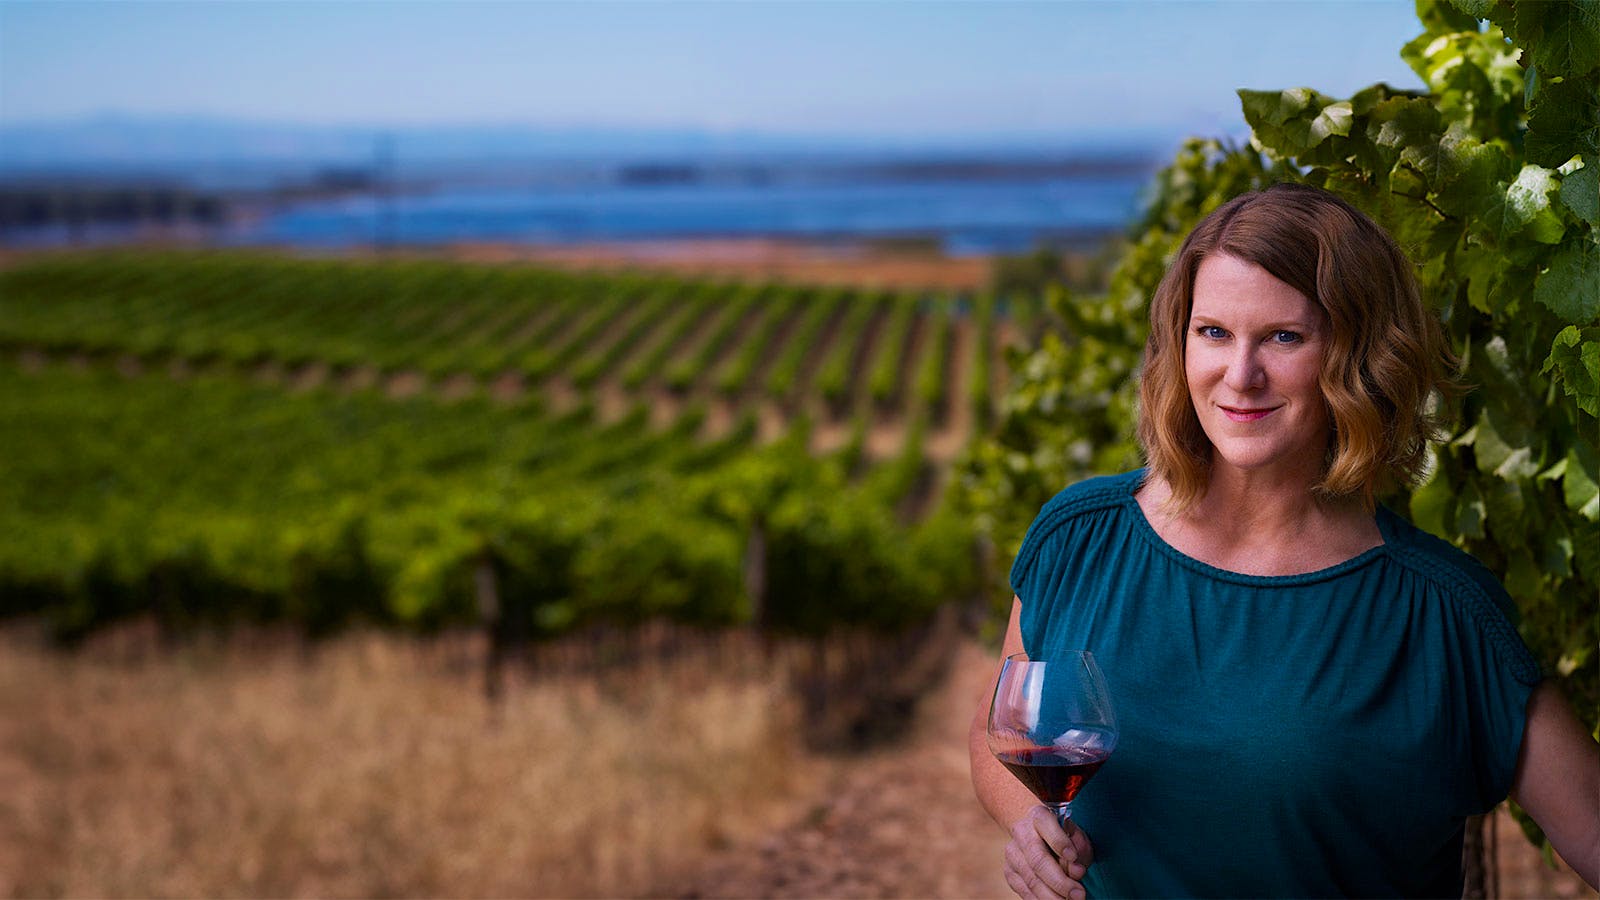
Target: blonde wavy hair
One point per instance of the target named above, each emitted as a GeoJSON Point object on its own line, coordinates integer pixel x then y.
{"type": "Point", "coordinates": [1386, 356]}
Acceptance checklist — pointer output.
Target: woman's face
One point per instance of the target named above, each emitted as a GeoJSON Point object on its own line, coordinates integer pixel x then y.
{"type": "Point", "coordinates": [1253, 356]}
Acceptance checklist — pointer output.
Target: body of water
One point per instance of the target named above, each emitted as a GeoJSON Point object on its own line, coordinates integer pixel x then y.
{"type": "Point", "coordinates": [965, 216]}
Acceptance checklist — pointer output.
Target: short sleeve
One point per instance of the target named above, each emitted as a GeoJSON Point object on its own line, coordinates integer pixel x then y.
{"type": "Point", "coordinates": [1493, 671]}
{"type": "Point", "coordinates": [1056, 543]}
{"type": "Point", "coordinates": [1500, 673]}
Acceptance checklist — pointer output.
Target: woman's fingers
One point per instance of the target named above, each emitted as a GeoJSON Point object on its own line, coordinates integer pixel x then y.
{"type": "Point", "coordinates": [1081, 846]}
{"type": "Point", "coordinates": [1032, 857]}
{"type": "Point", "coordinates": [1027, 880]}
{"type": "Point", "coordinates": [1069, 844]}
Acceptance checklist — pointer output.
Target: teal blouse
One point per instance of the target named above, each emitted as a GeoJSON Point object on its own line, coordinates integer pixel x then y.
{"type": "Point", "coordinates": [1312, 735]}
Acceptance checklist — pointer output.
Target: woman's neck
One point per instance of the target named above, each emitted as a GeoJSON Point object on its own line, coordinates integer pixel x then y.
{"type": "Point", "coordinates": [1257, 524]}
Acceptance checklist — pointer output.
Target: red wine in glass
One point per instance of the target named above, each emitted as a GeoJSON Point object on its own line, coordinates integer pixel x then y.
{"type": "Point", "coordinates": [1051, 725]}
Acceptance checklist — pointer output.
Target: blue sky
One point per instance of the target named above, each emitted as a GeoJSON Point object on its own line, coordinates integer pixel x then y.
{"type": "Point", "coordinates": [893, 69]}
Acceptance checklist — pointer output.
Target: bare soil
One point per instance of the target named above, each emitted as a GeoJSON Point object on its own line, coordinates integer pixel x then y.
{"type": "Point", "coordinates": [758, 259]}
{"type": "Point", "coordinates": [901, 821]}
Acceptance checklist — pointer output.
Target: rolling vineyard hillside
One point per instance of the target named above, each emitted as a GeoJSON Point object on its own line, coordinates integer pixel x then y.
{"type": "Point", "coordinates": [213, 438]}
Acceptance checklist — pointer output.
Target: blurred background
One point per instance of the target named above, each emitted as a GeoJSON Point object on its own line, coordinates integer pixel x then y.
{"type": "Point", "coordinates": [976, 128]}
{"type": "Point", "coordinates": [516, 449]}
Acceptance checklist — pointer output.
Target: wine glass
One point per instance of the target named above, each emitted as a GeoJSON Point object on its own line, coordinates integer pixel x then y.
{"type": "Point", "coordinates": [1051, 724]}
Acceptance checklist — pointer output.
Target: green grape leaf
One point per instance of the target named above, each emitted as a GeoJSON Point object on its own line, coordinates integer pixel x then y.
{"type": "Point", "coordinates": [1469, 512]}
{"type": "Point", "coordinates": [1505, 503]}
{"type": "Point", "coordinates": [1477, 9]}
{"type": "Point", "coordinates": [1275, 107]}
{"type": "Point", "coordinates": [1565, 37]}
{"type": "Point", "coordinates": [1433, 504]}
{"type": "Point", "coordinates": [1565, 119]}
{"type": "Point", "coordinates": [1524, 579]}
{"type": "Point", "coordinates": [1470, 177]}
{"type": "Point", "coordinates": [1579, 485]}
{"type": "Point", "coordinates": [1334, 119]}
{"type": "Point", "coordinates": [1440, 17]}
{"type": "Point", "coordinates": [1407, 130]}
{"type": "Point", "coordinates": [1484, 273]}
{"type": "Point", "coordinates": [1282, 121]}
{"type": "Point", "coordinates": [1527, 207]}
{"type": "Point", "coordinates": [1580, 190]}
{"type": "Point", "coordinates": [1416, 55]}
{"type": "Point", "coordinates": [1501, 448]}
{"type": "Point", "coordinates": [1575, 357]}
{"type": "Point", "coordinates": [1571, 286]}
{"type": "Point", "coordinates": [1557, 547]}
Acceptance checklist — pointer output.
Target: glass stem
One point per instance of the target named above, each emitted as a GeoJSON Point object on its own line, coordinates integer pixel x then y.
{"type": "Point", "coordinates": [1063, 812]}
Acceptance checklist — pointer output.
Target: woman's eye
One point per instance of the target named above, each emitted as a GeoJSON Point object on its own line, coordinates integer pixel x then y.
{"type": "Point", "coordinates": [1286, 337]}
{"type": "Point", "coordinates": [1211, 332]}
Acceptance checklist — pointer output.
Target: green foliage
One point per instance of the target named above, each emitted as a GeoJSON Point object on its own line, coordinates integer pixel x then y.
{"type": "Point", "coordinates": [214, 501]}
{"type": "Point", "coordinates": [1491, 182]}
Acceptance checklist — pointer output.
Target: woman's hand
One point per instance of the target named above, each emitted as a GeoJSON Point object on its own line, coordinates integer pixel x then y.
{"type": "Point", "coordinates": [1045, 861]}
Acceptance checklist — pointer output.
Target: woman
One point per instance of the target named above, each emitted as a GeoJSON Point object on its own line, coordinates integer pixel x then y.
{"type": "Point", "coordinates": [1312, 694]}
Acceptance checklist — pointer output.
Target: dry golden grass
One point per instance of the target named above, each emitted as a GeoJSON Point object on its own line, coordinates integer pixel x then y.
{"type": "Point", "coordinates": [371, 767]}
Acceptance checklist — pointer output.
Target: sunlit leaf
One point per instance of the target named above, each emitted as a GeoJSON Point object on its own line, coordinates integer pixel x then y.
{"type": "Point", "coordinates": [1527, 206]}
{"type": "Point", "coordinates": [1580, 483]}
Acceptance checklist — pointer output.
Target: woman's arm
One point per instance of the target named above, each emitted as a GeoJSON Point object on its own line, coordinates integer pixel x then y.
{"type": "Point", "coordinates": [1558, 780]}
{"type": "Point", "coordinates": [1042, 859]}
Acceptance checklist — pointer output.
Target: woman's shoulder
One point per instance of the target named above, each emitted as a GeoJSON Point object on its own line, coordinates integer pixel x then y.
{"type": "Point", "coordinates": [1436, 560]}
{"type": "Point", "coordinates": [1464, 581]}
{"type": "Point", "coordinates": [1089, 495]}
{"type": "Point", "coordinates": [1075, 513]}
{"type": "Point", "coordinates": [1081, 500]}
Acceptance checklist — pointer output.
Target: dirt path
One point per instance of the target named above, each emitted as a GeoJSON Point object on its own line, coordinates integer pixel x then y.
{"type": "Point", "coordinates": [896, 822]}
{"type": "Point", "coordinates": [903, 822]}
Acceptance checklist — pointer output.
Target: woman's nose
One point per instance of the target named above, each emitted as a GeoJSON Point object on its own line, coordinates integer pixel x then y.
{"type": "Point", "coordinates": [1245, 372]}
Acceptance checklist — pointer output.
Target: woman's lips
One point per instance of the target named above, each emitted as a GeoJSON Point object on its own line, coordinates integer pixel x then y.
{"type": "Point", "coordinates": [1238, 414]}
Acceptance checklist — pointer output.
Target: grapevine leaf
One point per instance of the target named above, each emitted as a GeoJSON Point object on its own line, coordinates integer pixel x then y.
{"type": "Point", "coordinates": [1407, 130]}
{"type": "Point", "coordinates": [1579, 482]}
{"type": "Point", "coordinates": [1564, 120]}
{"type": "Point", "coordinates": [1571, 286]}
{"type": "Point", "coordinates": [1483, 273]}
{"type": "Point", "coordinates": [1282, 121]}
{"type": "Point", "coordinates": [1469, 512]}
{"type": "Point", "coordinates": [1441, 17]}
{"type": "Point", "coordinates": [1557, 547]}
{"type": "Point", "coordinates": [1580, 190]}
{"type": "Point", "coordinates": [1477, 9]}
{"type": "Point", "coordinates": [1369, 98]}
{"type": "Point", "coordinates": [1527, 206]}
{"type": "Point", "coordinates": [1575, 356]}
{"type": "Point", "coordinates": [1565, 37]}
{"type": "Point", "coordinates": [1523, 580]}
{"type": "Point", "coordinates": [1500, 448]}
{"type": "Point", "coordinates": [1433, 504]}
{"type": "Point", "coordinates": [1470, 177]}
{"type": "Point", "coordinates": [1334, 119]}
{"type": "Point", "coordinates": [1274, 107]}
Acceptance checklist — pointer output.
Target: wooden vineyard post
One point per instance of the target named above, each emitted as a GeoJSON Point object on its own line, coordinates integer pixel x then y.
{"type": "Point", "coordinates": [977, 611]}
{"type": "Point", "coordinates": [487, 588]}
{"type": "Point", "coordinates": [755, 581]}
